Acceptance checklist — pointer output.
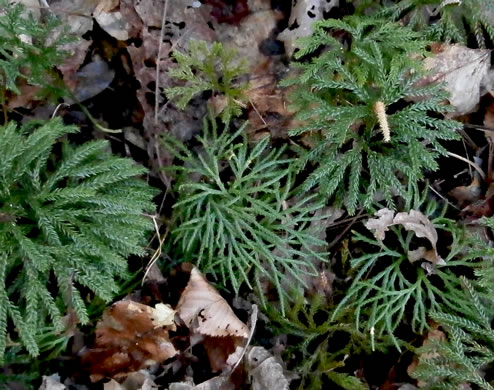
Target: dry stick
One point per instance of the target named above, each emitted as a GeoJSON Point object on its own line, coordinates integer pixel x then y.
{"type": "Point", "coordinates": [158, 60]}
{"type": "Point", "coordinates": [475, 166]}
{"type": "Point", "coordinates": [442, 197]}
{"type": "Point", "coordinates": [257, 112]}
{"type": "Point", "coordinates": [157, 253]}
{"type": "Point", "coordinates": [345, 230]}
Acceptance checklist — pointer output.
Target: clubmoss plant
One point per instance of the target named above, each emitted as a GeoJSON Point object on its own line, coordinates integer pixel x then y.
{"type": "Point", "coordinates": [236, 215]}
{"type": "Point", "coordinates": [468, 350]}
{"type": "Point", "coordinates": [451, 21]}
{"type": "Point", "coordinates": [352, 97]}
{"type": "Point", "coordinates": [29, 51]}
{"type": "Point", "coordinates": [390, 288]}
{"type": "Point", "coordinates": [320, 345]}
{"type": "Point", "coordinates": [209, 67]}
{"type": "Point", "coordinates": [67, 224]}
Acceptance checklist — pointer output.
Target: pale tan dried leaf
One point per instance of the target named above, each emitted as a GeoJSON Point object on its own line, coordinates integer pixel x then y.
{"type": "Point", "coordinates": [418, 223]}
{"type": "Point", "coordinates": [381, 224]}
{"type": "Point", "coordinates": [52, 382]}
{"type": "Point", "coordinates": [163, 315]}
{"type": "Point", "coordinates": [114, 24]}
{"type": "Point", "coordinates": [304, 14]}
{"type": "Point", "coordinates": [465, 73]}
{"type": "Point", "coordinates": [106, 6]}
{"type": "Point", "coordinates": [112, 385]}
{"type": "Point", "coordinates": [215, 383]}
{"type": "Point", "coordinates": [413, 221]}
{"type": "Point", "coordinates": [201, 303]}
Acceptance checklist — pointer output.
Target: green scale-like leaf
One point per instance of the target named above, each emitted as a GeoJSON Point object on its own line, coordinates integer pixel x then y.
{"type": "Point", "coordinates": [335, 95]}
{"type": "Point", "coordinates": [236, 215]}
{"type": "Point", "coordinates": [76, 217]}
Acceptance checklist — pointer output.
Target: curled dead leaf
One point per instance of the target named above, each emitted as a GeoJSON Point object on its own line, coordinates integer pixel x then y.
{"type": "Point", "coordinates": [413, 221]}
{"type": "Point", "coordinates": [205, 311]}
{"type": "Point", "coordinates": [130, 336]}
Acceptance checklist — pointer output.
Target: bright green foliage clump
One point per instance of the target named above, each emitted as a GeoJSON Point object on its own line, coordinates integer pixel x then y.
{"type": "Point", "coordinates": [388, 289]}
{"type": "Point", "coordinates": [468, 350]}
{"type": "Point", "coordinates": [209, 67]}
{"type": "Point", "coordinates": [235, 214]}
{"type": "Point", "coordinates": [455, 19]}
{"type": "Point", "coordinates": [350, 99]}
{"type": "Point", "coordinates": [28, 49]}
{"type": "Point", "coordinates": [65, 223]}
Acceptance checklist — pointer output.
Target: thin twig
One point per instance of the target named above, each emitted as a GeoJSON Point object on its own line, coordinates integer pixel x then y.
{"type": "Point", "coordinates": [345, 230]}
{"type": "Point", "coordinates": [157, 252]}
{"type": "Point", "coordinates": [58, 108]}
{"type": "Point", "coordinates": [257, 112]}
{"type": "Point", "coordinates": [443, 197]}
{"type": "Point", "coordinates": [475, 166]}
{"type": "Point", "coordinates": [158, 60]}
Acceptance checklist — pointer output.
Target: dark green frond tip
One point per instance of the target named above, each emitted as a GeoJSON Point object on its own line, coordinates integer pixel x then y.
{"type": "Point", "coordinates": [462, 357]}
{"type": "Point", "coordinates": [29, 49]}
{"type": "Point", "coordinates": [236, 216]}
{"type": "Point", "coordinates": [68, 220]}
{"type": "Point", "coordinates": [209, 67]}
{"type": "Point", "coordinates": [448, 21]}
{"type": "Point", "coordinates": [371, 137]}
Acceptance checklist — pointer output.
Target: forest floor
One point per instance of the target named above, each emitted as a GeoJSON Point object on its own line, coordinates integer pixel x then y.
{"type": "Point", "coordinates": [118, 69]}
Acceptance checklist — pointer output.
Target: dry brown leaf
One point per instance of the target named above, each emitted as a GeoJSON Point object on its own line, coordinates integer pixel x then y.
{"type": "Point", "coordinates": [106, 6]}
{"type": "Point", "coordinates": [413, 221]}
{"type": "Point", "coordinates": [465, 195]}
{"type": "Point", "coordinates": [269, 112]}
{"type": "Point", "coordinates": [246, 37]}
{"type": "Point", "coordinates": [465, 72]}
{"type": "Point", "coordinates": [77, 14]}
{"type": "Point", "coordinates": [489, 117]}
{"type": "Point", "coordinates": [72, 64]}
{"type": "Point", "coordinates": [205, 311]}
{"type": "Point", "coordinates": [114, 24]}
{"type": "Point", "coordinates": [128, 338]}
{"type": "Point", "coordinates": [140, 380]}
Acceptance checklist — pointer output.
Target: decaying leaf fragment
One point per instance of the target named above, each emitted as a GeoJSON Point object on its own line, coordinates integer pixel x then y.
{"type": "Point", "coordinates": [413, 221]}
{"type": "Point", "coordinates": [304, 14]}
{"type": "Point", "coordinates": [265, 372]}
{"type": "Point", "coordinates": [205, 311]}
{"type": "Point", "coordinates": [52, 382]}
{"type": "Point", "coordinates": [465, 72]}
{"type": "Point", "coordinates": [140, 380]}
{"type": "Point", "coordinates": [129, 337]}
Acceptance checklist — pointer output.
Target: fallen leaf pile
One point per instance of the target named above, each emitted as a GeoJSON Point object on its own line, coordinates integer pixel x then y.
{"type": "Point", "coordinates": [132, 336]}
